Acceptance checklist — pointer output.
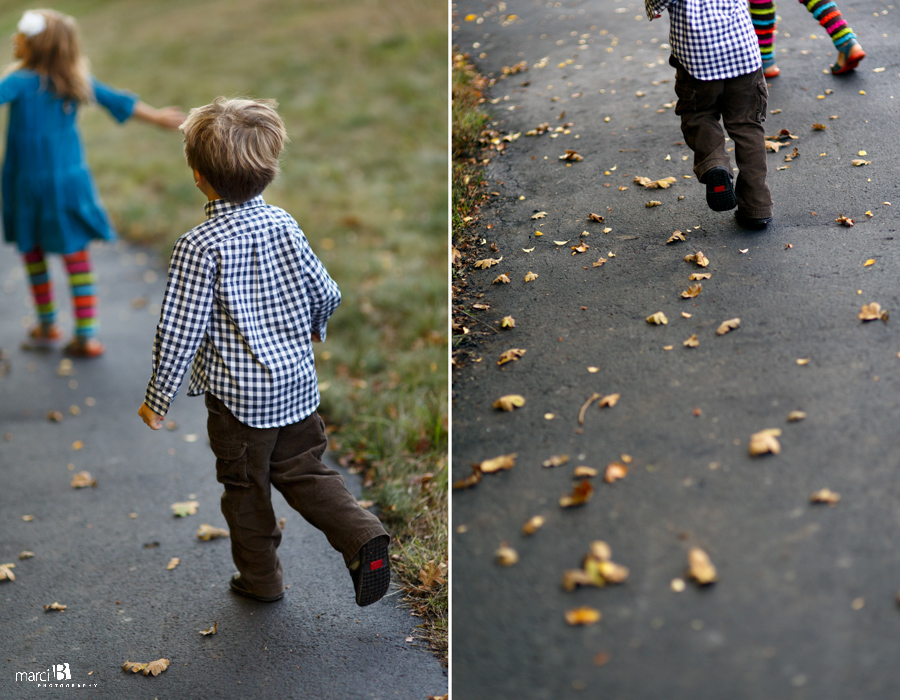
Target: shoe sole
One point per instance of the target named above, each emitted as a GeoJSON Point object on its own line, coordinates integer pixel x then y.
{"type": "Point", "coordinates": [719, 190]}
{"type": "Point", "coordinates": [374, 572]}
{"type": "Point", "coordinates": [757, 224]}
{"type": "Point", "coordinates": [247, 594]}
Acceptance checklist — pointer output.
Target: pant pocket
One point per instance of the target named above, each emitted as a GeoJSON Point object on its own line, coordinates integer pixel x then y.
{"type": "Point", "coordinates": [762, 99]}
{"type": "Point", "coordinates": [231, 462]}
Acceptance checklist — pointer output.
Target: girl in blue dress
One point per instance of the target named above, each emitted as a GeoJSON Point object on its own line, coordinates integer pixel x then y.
{"type": "Point", "coordinates": [50, 201]}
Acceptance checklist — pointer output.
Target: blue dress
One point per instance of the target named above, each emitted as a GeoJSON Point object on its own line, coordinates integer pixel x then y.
{"type": "Point", "coordinates": [50, 200]}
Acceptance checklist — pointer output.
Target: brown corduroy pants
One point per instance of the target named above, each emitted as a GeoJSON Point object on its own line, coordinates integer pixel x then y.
{"type": "Point", "coordinates": [249, 461]}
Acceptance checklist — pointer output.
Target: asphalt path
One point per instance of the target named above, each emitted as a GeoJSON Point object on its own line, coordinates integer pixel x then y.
{"type": "Point", "coordinates": [805, 605]}
{"type": "Point", "coordinates": [103, 551]}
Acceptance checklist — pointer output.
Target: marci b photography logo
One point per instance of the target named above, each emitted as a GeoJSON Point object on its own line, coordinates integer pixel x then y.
{"type": "Point", "coordinates": [57, 676]}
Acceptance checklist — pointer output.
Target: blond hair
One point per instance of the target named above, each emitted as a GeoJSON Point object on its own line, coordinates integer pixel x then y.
{"type": "Point", "coordinates": [56, 54]}
{"type": "Point", "coordinates": [235, 144]}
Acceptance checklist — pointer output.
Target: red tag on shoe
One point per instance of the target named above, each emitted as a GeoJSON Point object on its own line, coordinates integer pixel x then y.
{"type": "Point", "coordinates": [376, 565]}
{"type": "Point", "coordinates": [720, 188]}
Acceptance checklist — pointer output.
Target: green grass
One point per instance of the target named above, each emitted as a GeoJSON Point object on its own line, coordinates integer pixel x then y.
{"type": "Point", "coordinates": [362, 87]}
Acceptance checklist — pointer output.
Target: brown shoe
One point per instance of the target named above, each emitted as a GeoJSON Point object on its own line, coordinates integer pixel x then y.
{"type": "Point", "coordinates": [238, 587]}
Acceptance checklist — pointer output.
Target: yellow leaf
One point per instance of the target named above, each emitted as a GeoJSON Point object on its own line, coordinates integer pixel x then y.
{"type": "Point", "coordinates": [794, 416]}
{"type": "Point", "coordinates": [6, 573]}
{"type": "Point", "coordinates": [571, 156]}
{"type": "Point", "coordinates": [501, 279]}
{"type": "Point", "coordinates": [698, 257]}
{"type": "Point", "coordinates": [685, 314]}
{"type": "Point", "coordinates": [133, 666]}
{"type": "Point", "coordinates": [506, 555]}
{"type": "Point", "coordinates": [511, 355]}
{"type": "Point", "coordinates": [699, 276]}
{"type": "Point", "coordinates": [675, 237]}
{"type": "Point", "coordinates": [692, 342]}
{"type": "Point", "coordinates": [844, 220]}
{"type": "Point", "coordinates": [496, 464]}
{"type": "Point", "coordinates": [765, 441]}
{"type": "Point", "coordinates": [82, 479]}
{"type": "Point", "coordinates": [692, 291]}
{"type": "Point", "coordinates": [555, 461]}
{"type": "Point", "coordinates": [803, 361]}
{"type": "Point", "coordinates": [580, 248]}
{"type": "Point", "coordinates": [531, 276]}
{"type": "Point", "coordinates": [561, 242]}
{"type": "Point", "coordinates": [55, 606]}
{"type": "Point", "coordinates": [539, 215]}
{"type": "Point", "coordinates": [508, 322]}
{"type": "Point", "coordinates": [700, 567]}
{"type": "Point", "coordinates": [471, 17]}
{"type": "Point", "coordinates": [825, 496]}
{"type": "Point", "coordinates": [173, 562]}
{"type": "Point", "coordinates": [595, 217]}
{"type": "Point", "coordinates": [599, 262]}
{"type": "Point", "coordinates": [156, 667]}
{"type": "Point", "coordinates": [583, 616]}
{"type": "Point", "coordinates": [184, 508]}
{"type": "Point", "coordinates": [580, 495]}
{"type": "Point", "coordinates": [207, 532]}
{"type": "Point", "coordinates": [859, 161]}
{"type": "Point", "coordinates": [211, 630]}
{"type": "Point", "coordinates": [728, 325]}
{"type": "Point", "coordinates": [609, 401]}
{"type": "Point", "coordinates": [659, 319]}
{"type": "Point", "coordinates": [872, 312]}
{"type": "Point", "coordinates": [527, 250]}
{"type": "Point", "coordinates": [533, 525]}
{"type": "Point", "coordinates": [510, 402]}
{"type": "Point", "coordinates": [664, 183]}
{"type": "Point", "coordinates": [583, 472]}
{"type": "Point", "coordinates": [653, 203]}
{"type": "Point", "coordinates": [614, 472]}
{"type": "Point", "coordinates": [871, 261]}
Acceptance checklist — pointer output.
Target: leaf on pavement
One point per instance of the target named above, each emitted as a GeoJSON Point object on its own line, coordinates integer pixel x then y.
{"type": "Point", "coordinates": [653, 203]}
{"type": "Point", "coordinates": [54, 416]}
{"type": "Point", "coordinates": [531, 276]}
{"type": "Point", "coordinates": [819, 127]}
{"type": "Point", "coordinates": [583, 616]}
{"type": "Point", "coordinates": [55, 606]}
{"type": "Point", "coordinates": [844, 220]}
{"type": "Point", "coordinates": [82, 480]}
{"type": "Point", "coordinates": [663, 184]}
{"type": "Point", "coordinates": [597, 569]}
{"type": "Point", "coordinates": [510, 402]}
{"type": "Point", "coordinates": [207, 532]}
{"type": "Point", "coordinates": [496, 464]}
{"type": "Point", "coordinates": [173, 562]}
{"type": "Point", "coordinates": [599, 262]}
{"type": "Point", "coordinates": [728, 325]}
{"type": "Point", "coordinates": [593, 397]}
{"type": "Point", "coordinates": [774, 145]}
{"type": "Point", "coordinates": [511, 355]}
{"type": "Point", "coordinates": [488, 262]}
{"type": "Point", "coordinates": [595, 217]}
{"type": "Point", "coordinates": [825, 496]}
{"type": "Point", "coordinates": [609, 401]}
{"type": "Point", "coordinates": [534, 524]}
{"type": "Point", "coordinates": [508, 322]}
{"type": "Point", "coordinates": [580, 495]}
{"type": "Point", "coordinates": [506, 555]}
{"type": "Point", "coordinates": [614, 472]}
{"type": "Point", "coordinates": [539, 215]}
{"type": "Point", "coordinates": [555, 461]}
{"type": "Point", "coordinates": [26, 554]}
{"type": "Point", "coordinates": [765, 441]}
{"type": "Point", "coordinates": [872, 312]}
{"type": "Point", "coordinates": [675, 237]}
{"type": "Point", "coordinates": [579, 248]}
{"type": "Point", "coordinates": [583, 472]}
{"type": "Point", "coordinates": [211, 630]}
{"type": "Point", "coordinates": [692, 291]}
{"type": "Point", "coordinates": [571, 156]}
{"type": "Point", "coordinates": [696, 276]}
{"type": "Point", "coordinates": [700, 567]}
{"type": "Point", "coordinates": [869, 262]}
{"type": "Point", "coordinates": [472, 480]}
{"type": "Point", "coordinates": [659, 319]}
{"type": "Point", "coordinates": [184, 508]}
{"type": "Point", "coordinates": [134, 666]}
{"type": "Point", "coordinates": [501, 279]}
{"type": "Point", "coordinates": [6, 573]}
{"type": "Point", "coordinates": [692, 342]}
{"type": "Point", "coordinates": [859, 161]}
{"type": "Point", "coordinates": [794, 416]}
{"type": "Point", "coordinates": [698, 257]}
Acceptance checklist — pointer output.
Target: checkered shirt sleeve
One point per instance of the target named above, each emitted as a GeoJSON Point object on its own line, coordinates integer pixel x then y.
{"type": "Point", "coordinates": [245, 294]}
{"type": "Point", "coordinates": [712, 39]}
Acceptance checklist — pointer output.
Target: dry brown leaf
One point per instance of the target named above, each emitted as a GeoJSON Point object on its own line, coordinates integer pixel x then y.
{"type": "Point", "coordinates": [555, 461]}
{"type": "Point", "coordinates": [156, 667]}
{"type": "Point", "coordinates": [6, 573]}
{"type": "Point", "coordinates": [653, 203]}
{"type": "Point", "coordinates": [510, 402]}
{"type": "Point", "coordinates": [614, 472]}
{"type": "Point", "coordinates": [675, 237]}
{"type": "Point", "coordinates": [698, 257]}
{"type": "Point", "coordinates": [728, 325]}
{"type": "Point", "coordinates": [583, 248]}
{"type": "Point", "coordinates": [794, 416]}
{"type": "Point", "coordinates": [803, 361]}
{"type": "Point", "coordinates": [819, 127]}
{"type": "Point", "coordinates": [511, 355]}
{"type": "Point", "coordinates": [506, 555]}
{"type": "Point", "coordinates": [859, 161]}
{"type": "Point", "coordinates": [609, 401]}
{"type": "Point", "coordinates": [692, 291]}
{"type": "Point", "coordinates": [790, 156]}
{"type": "Point", "coordinates": [872, 312]}
{"type": "Point", "coordinates": [481, 307]}
{"type": "Point", "coordinates": [580, 495]}
{"type": "Point", "coordinates": [599, 262]}
{"type": "Point", "coordinates": [134, 666]}
{"type": "Point", "coordinates": [844, 220]}
{"type": "Point", "coordinates": [765, 441]}
{"type": "Point", "coordinates": [597, 569]}
{"type": "Point", "coordinates": [501, 279]}
{"type": "Point", "coordinates": [26, 555]}
{"type": "Point", "coordinates": [184, 508]}
{"type": "Point", "coordinates": [774, 145]}
{"type": "Point", "coordinates": [82, 480]}
{"type": "Point", "coordinates": [583, 472]}
{"type": "Point", "coordinates": [207, 532]}
{"type": "Point", "coordinates": [591, 399]}
{"type": "Point", "coordinates": [692, 342]}
{"type": "Point", "coordinates": [663, 184]}
{"type": "Point", "coordinates": [595, 217]}
{"type": "Point", "coordinates": [700, 568]}
{"type": "Point", "coordinates": [696, 276]}
{"type": "Point", "coordinates": [571, 156]}
{"type": "Point", "coordinates": [825, 496]}
{"type": "Point", "coordinates": [869, 262]}
{"type": "Point", "coordinates": [533, 525]}
{"type": "Point", "coordinates": [583, 616]}
{"type": "Point", "coordinates": [508, 322]}
{"type": "Point", "coordinates": [468, 482]}
{"type": "Point", "coordinates": [539, 215]}
{"type": "Point", "coordinates": [487, 262]}
{"type": "Point", "coordinates": [55, 606]}
{"type": "Point", "coordinates": [54, 416]}
{"type": "Point", "coordinates": [496, 464]}
{"type": "Point", "coordinates": [173, 562]}
{"type": "Point", "coordinates": [211, 630]}
{"type": "Point", "coordinates": [659, 319]}
{"type": "Point", "coordinates": [531, 276]}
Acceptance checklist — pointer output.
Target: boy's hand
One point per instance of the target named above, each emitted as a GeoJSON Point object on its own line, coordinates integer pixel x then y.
{"type": "Point", "coordinates": [316, 338]}
{"type": "Point", "coordinates": [154, 420]}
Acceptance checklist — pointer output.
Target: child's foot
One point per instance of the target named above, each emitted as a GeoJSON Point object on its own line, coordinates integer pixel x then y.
{"type": "Point", "coordinates": [847, 62]}
{"type": "Point", "coordinates": [370, 570]}
{"type": "Point", "coordinates": [750, 222]}
{"type": "Point", "coordinates": [719, 190]}
{"type": "Point", "coordinates": [772, 71]}
{"type": "Point", "coordinates": [85, 348]}
{"type": "Point", "coordinates": [237, 585]}
{"type": "Point", "coordinates": [42, 337]}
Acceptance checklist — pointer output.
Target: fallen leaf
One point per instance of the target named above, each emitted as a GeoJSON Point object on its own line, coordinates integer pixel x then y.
{"type": "Point", "coordinates": [528, 250]}
{"type": "Point", "coordinates": [82, 480]}
{"type": "Point", "coordinates": [468, 482]}
{"type": "Point", "coordinates": [580, 248]}
{"type": "Point", "coordinates": [496, 464]}
{"type": "Point", "coordinates": [663, 184]}
{"type": "Point", "coordinates": [156, 667]}
{"type": "Point", "coordinates": [510, 402]}
{"type": "Point", "coordinates": [533, 525]}
{"type": "Point", "coordinates": [6, 573]}
{"type": "Point", "coordinates": [743, 250]}
{"type": "Point", "coordinates": [790, 156]}
{"type": "Point", "coordinates": [508, 322]}
{"type": "Point", "coordinates": [531, 276]}
{"type": "Point", "coordinates": [677, 585]}
{"type": "Point", "coordinates": [869, 214]}
{"type": "Point", "coordinates": [803, 361]}
{"type": "Point", "coordinates": [609, 401]}
{"type": "Point", "coordinates": [481, 307]}
{"type": "Point", "coordinates": [659, 319]}
{"type": "Point", "coordinates": [77, 445]}
{"type": "Point", "coordinates": [173, 562]}
{"type": "Point", "coordinates": [506, 555]}
{"type": "Point", "coordinates": [869, 262]}
{"type": "Point", "coordinates": [511, 355]}
{"type": "Point", "coordinates": [555, 461]}
{"type": "Point", "coordinates": [583, 616]}
{"type": "Point", "coordinates": [501, 279]}
{"type": "Point", "coordinates": [692, 342]}
{"type": "Point", "coordinates": [571, 156]}
{"type": "Point", "coordinates": [614, 472]}
{"type": "Point", "coordinates": [859, 161]}
{"type": "Point", "coordinates": [795, 416]}
{"type": "Point", "coordinates": [675, 237]}
{"type": "Point", "coordinates": [819, 127]}
{"type": "Point", "coordinates": [207, 532]}
{"type": "Point", "coordinates": [872, 312]}
{"type": "Point", "coordinates": [692, 291]}
{"type": "Point", "coordinates": [825, 496]}
{"type": "Point", "coordinates": [765, 441]}
{"type": "Point", "coordinates": [593, 370]}
{"type": "Point", "coordinates": [700, 276]}
{"type": "Point", "coordinates": [211, 630]}
{"type": "Point", "coordinates": [55, 606]}
{"type": "Point", "coordinates": [653, 203]}
{"type": "Point", "coordinates": [698, 257]}
{"type": "Point", "coordinates": [487, 262]}
{"type": "Point", "coordinates": [595, 217]}
{"type": "Point", "coordinates": [539, 215]}
{"type": "Point", "coordinates": [562, 243]}
{"type": "Point", "coordinates": [580, 495]}
{"type": "Point", "coordinates": [844, 220]}
{"type": "Point", "coordinates": [134, 666]}
{"type": "Point", "coordinates": [26, 555]}
{"type": "Point", "coordinates": [599, 262]}
{"type": "Point", "coordinates": [700, 568]}
{"type": "Point", "coordinates": [54, 416]}
{"type": "Point", "coordinates": [597, 569]}
{"type": "Point", "coordinates": [593, 397]}
{"type": "Point", "coordinates": [668, 347]}
{"type": "Point", "coordinates": [788, 246]}
{"type": "Point", "coordinates": [685, 314]}
{"type": "Point", "coordinates": [184, 508]}
{"type": "Point", "coordinates": [583, 472]}
{"type": "Point", "coordinates": [774, 145]}
{"type": "Point", "coordinates": [728, 325]}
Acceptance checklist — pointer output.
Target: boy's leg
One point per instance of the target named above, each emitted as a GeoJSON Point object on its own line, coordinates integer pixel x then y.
{"type": "Point", "coordinates": [242, 466]}
{"type": "Point", "coordinates": [743, 112]}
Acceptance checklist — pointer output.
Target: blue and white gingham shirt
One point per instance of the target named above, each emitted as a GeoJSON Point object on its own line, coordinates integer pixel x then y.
{"type": "Point", "coordinates": [245, 293]}
{"type": "Point", "coordinates": [712, 39]}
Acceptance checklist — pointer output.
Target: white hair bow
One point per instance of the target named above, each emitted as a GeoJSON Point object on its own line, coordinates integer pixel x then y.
{"type": "Point", "coordinates": [32, 23]}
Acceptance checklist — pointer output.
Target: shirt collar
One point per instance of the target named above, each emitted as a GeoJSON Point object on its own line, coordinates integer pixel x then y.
{"type": "Point", "coordinates": [222, 207]}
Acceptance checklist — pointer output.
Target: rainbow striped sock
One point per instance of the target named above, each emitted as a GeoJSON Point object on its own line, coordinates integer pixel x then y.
{"type": "Point", "coordinates": [84, 294]}
{"type": "Point", "coordinates": [830, 18]}
{"type": "Point", "coordinates": [762, 13]}
{"type": "Point", "coordinates": [41, 287]}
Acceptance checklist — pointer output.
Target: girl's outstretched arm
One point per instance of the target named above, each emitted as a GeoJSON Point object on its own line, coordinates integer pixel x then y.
{"type": "Point", "coordinates": [167, 117]}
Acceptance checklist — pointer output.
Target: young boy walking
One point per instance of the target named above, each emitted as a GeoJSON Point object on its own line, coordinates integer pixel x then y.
{"type": "Point", "coordinates": [245, 299]}
{"type": "Point", "coordinates": [719, 76]}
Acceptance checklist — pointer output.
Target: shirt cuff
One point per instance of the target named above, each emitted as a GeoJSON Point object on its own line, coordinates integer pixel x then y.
{"type": "Point", "coordinates": [158, 403]}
